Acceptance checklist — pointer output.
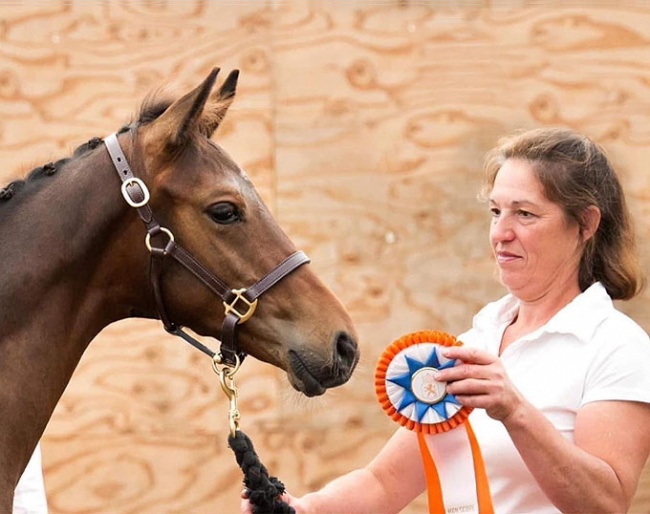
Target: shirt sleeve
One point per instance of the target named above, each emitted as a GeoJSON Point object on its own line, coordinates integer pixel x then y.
{"type": "Point", "coordinates": [619, 370]}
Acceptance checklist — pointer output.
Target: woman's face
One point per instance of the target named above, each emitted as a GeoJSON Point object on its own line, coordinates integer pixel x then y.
{"type": "Point", "coordinates": [535, 247]}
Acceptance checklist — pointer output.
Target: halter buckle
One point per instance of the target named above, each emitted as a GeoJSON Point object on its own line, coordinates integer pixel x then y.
{"type": "Point", "coordinates": [239, 296]}
{"type": "Point", "coordinates": [133, 181]}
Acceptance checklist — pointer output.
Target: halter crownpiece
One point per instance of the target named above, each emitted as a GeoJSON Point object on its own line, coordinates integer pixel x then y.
{"type": "Point", "coordinates": [239, 304]}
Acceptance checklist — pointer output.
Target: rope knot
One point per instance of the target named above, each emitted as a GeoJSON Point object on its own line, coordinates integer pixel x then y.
{"type": "Point", "coordinates": [264, 492]}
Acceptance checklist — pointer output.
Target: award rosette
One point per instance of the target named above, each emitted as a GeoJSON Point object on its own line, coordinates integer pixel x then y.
{"type": "Point", "coordinates": [409, 393]}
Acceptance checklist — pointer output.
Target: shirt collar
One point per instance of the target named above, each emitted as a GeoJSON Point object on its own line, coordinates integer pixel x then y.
{"type": "Point", "coordinates": [583, 314]}
{"type": "Point", "coordinates": [580, 317]}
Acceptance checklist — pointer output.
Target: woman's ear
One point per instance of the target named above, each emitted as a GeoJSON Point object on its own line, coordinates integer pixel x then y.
{"type": "Point", "coordinates": [590, 222]}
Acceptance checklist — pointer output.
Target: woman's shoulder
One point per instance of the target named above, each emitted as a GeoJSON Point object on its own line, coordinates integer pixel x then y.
{"type": "Point", "coordinates": [620, 358]}
{"type": "Point", "coordinates": [595, 318]}
{"type": "Point", "coordinates": [619, 326]}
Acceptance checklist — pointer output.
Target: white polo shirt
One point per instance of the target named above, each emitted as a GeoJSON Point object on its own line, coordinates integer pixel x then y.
{"type": "Point", "coordinates": [587, 352]}
{"type": "Point", "coordinates": [29, 496]}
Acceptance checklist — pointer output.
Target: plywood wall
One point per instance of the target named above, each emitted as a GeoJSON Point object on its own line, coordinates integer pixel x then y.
{"type": "Point", "coordinates": [363, 124]}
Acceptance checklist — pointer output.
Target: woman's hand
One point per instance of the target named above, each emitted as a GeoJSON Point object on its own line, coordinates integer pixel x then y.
{"type": "Point", "coordinates": [247, 507]}
{"type": "Point", "coordinates": [479, 380]}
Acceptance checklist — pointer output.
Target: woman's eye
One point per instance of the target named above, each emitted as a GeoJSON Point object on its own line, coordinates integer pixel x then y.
{"type": "Point", "coordinates": [525, 214]}
{"type": "Point", "coordinates": [495, 212]}
{"type": "Point", "coordinates": [225, 213]}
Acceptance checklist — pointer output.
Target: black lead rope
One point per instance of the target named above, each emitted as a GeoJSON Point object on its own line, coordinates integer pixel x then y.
{"type": "Point", "coordinates": [263, 491]}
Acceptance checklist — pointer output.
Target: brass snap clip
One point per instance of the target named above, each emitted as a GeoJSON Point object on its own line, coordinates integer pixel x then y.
{"type": "Point", "coordinates": [226, 375]}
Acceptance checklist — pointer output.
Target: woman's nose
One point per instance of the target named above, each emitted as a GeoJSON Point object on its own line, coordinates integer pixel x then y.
{"type": "Point", "coordinates": [501, 229]}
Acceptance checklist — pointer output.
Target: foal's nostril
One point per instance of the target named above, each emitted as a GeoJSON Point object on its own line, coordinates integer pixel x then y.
{"type": "Point", "coordinates": [347, 352]}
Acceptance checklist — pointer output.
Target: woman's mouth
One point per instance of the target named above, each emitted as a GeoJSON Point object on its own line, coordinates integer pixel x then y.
{"type": "Point", "coordinates": [506, 257]}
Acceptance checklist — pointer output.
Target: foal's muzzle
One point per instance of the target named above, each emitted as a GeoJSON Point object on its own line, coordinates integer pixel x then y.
{"type": "Point", "coordinates": [313, 378]}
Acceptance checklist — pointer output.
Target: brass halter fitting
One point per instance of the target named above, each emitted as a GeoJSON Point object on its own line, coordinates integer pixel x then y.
{"type": "Point", "coordinates": [147, 238]}
{"type": "Point", "coordinates": [239, 297]}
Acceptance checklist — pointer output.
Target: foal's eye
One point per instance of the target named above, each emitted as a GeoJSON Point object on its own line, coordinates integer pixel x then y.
{"type": "Point", "coordinates": [225, 213]}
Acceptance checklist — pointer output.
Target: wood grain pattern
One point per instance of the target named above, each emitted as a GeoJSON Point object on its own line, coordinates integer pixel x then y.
{"type": "Point", "coordinates": [363, 124]}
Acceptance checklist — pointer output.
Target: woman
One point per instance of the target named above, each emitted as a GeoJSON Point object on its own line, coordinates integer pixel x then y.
{"type": "Point", "coordinates": [557, 376]}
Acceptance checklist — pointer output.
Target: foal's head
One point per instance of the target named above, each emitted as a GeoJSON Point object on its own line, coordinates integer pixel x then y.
{"type": "Point", "coordinates": [213, 211]}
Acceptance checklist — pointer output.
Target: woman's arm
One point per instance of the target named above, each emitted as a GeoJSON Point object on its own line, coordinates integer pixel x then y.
{"type": "Point", "coordinates": [600, 472]}
{"type": "Point", "coordinates": [597, 473]}
{"type": "Point", "coordinates": [385, 486]}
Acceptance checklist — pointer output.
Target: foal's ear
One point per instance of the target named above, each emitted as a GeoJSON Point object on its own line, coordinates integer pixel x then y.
{"type": "Point", "coordinates": [218, 104]}
{"type": "Point", "coordinates": [197, 110]}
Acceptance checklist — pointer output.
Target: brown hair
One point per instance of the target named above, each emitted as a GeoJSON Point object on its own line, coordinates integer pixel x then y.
{"type": "Point", "coordinates": [576, 174]}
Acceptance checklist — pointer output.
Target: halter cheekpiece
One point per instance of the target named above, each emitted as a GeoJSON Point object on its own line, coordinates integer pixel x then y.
{"type": "Point", "coordinates": [239, 304]}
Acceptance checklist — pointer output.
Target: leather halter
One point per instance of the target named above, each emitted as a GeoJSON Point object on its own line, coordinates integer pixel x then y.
{"type": "Point", "coordinates": [239, 304]}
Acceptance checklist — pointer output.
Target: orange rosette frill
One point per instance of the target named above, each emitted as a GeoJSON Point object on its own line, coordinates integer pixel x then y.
{"type": "Point", "coordinates": [405, 386]}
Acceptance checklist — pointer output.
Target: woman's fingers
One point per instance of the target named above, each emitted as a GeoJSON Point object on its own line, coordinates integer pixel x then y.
{"type": "Point", "coordinates": [245, 507]}
{"type": "Point", "coordinates": [469, 355]}
{"type": "Point", "coordinates": [478, 380]}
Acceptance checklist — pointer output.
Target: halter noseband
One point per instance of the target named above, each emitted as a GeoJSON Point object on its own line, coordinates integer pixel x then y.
{"type": "Point", "coordinates": [239, 304]}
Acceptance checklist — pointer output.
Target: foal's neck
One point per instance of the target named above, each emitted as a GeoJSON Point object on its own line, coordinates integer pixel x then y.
{"type": "Point", "coordinates": [63, 238]}
{"type": "Point", "coordinates": [64, 244]}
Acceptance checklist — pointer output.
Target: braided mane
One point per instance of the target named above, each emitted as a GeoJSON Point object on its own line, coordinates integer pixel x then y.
{"type": "Point", "coordinates": [152, 108]}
